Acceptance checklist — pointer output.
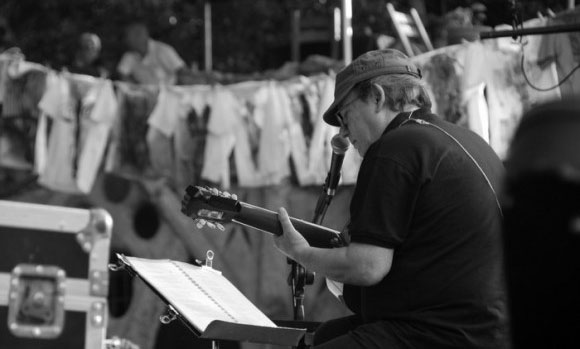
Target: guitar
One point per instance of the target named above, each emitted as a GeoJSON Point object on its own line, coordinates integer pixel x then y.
{"type": "Point", "coordinates": [218, 208]}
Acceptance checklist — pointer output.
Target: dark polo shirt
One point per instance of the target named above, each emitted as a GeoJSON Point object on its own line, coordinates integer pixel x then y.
{"type": "Point", "coordinates": [420, 194]}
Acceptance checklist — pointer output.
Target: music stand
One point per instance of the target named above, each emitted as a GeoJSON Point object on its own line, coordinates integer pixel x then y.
{"type": "Point", "coordinates": [217, 329]}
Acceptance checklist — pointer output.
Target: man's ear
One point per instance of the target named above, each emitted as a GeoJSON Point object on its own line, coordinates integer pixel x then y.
{"type": "Point", "coordinates": [378, 96]}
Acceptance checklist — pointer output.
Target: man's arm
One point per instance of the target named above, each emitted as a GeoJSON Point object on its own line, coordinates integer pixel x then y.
{"type": "Point", "coordinates": [356, 264]}
{"type": "Point", "coordinates": [126, 65]}
{"type": "Point", "coordinates": [170, 58]}
{"type": "Point", "coordinates": [173, 63]}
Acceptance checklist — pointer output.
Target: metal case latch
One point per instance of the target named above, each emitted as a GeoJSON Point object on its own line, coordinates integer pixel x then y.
{"type": "Point", "coordinates": [36, 305]}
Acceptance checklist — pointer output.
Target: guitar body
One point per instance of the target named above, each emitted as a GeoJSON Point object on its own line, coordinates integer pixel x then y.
{"type": "Point", "coordinates": [210, 205]}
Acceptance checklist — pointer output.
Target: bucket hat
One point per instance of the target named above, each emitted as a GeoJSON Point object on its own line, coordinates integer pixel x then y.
{"type": "Point", "coordinates": [367, 66]}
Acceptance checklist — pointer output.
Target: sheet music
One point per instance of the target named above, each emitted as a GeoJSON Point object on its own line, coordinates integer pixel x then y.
{"type": "Point", "coordinates": [199, 294]}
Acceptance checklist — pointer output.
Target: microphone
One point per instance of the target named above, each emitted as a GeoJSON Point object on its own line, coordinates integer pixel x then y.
{"type": "Point", "coordinates": [339, 147]}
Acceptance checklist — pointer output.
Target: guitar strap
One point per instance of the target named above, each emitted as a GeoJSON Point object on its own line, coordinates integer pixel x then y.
{"type": "Point", "coordinates": [337, 288]}
{"type": "Point", "coordinates": [427, 123]}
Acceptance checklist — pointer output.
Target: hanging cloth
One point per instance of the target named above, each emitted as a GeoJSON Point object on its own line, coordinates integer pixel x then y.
{"type": "Point", "coordinates": [129, 150]}
{"type": "Point", "coordinates": [57, 171]}
{"type": "Point", "coordinates": [98, 123]}
{"type": "Point", "coordinates": [221, 138]}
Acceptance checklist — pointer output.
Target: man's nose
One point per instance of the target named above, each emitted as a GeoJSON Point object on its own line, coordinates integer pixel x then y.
{"type": "Point", "coordinates": [343, 131]}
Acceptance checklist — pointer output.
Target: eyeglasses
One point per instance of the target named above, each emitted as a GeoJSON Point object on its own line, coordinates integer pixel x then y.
{"type": "Point", "coordinates": [341, 114]}
{"type": "Point", "coordinates": [341, 120]}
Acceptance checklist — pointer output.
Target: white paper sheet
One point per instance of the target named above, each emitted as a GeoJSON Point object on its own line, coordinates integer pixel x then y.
{"type": "Point", "coordinates": [199, 294]}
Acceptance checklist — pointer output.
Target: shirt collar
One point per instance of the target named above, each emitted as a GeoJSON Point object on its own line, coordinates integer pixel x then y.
{"type": "Point", "coordinates": [401, 117]}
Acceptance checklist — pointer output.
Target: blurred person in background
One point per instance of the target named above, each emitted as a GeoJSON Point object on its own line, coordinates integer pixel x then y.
{"type": "Point", "coordinates": [149, 61]}
{"type": "Point", "coordinates": [87, 57]}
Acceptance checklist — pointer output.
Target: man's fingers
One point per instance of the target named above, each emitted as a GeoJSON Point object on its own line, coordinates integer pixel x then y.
{"type": "Point", "coordinates": [284, 219]}
{"type": "Point", "coordinates": [291, 243]}
{"type": "Point", "coordinates": [282, 211]}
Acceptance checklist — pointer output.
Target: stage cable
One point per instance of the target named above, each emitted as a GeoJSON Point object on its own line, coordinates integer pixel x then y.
{"type": "Point", "coordinates": [540, 88]}
{"type": "Point", "coordinates": [517, 22]}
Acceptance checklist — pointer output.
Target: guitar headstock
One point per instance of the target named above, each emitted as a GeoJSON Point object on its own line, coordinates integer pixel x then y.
{"type": "Point", "coordinates": [209, 206]}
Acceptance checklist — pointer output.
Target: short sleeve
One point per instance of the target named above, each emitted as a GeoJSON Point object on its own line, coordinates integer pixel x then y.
{"type": "Point", "coordinates": [384, 204]}
{"type": "Point", "coordinates": [170, 58]}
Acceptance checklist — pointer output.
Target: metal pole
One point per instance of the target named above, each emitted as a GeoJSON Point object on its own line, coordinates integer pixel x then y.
{"type": "Point", "coordinates": [207, 36]}
{"type": "Point", "coordinates": [295, 36]}
{"type": "Point", "coordinates": [571, 4]}
{"type": "Point", "coordinates": [347, 30]}
{"type": "Point", "coordinates": [337, 32]}
{"type": "Point", "coordinates": [337, 24]}
{"type": "Point", "coordinates": [531, 31]}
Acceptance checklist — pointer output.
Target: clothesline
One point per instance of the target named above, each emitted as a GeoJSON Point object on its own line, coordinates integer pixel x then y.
{"type": "Point", "coordinates": [250, 131]}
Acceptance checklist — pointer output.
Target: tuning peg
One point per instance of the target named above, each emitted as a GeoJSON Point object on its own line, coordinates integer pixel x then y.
{"type": "Point", "coordinates": [214, 191]}
{"type": "Point", "coordinates": [199, 223]}
{"type": "Point", "coordinates": [229, 196]}
{"type": "Point", "coordinates": [211, 225]}
{"type": "Point", "coordinates": [220, 226]}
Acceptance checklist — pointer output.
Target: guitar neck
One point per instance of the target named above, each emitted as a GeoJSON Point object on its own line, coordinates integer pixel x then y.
{"type": "Point", "coordinates": [267, 221]}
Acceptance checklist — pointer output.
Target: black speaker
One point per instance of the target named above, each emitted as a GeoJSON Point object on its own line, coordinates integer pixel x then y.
{"type": "Point", "coordinates": [541, 203]}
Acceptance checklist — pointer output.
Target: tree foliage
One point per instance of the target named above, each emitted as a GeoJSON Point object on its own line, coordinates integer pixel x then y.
{"type": "Point", "coordinates": [248, 35]}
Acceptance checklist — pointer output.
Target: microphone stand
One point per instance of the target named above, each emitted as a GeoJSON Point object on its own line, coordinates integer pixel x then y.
{"type": "Point", "coordinates": [300, 277]}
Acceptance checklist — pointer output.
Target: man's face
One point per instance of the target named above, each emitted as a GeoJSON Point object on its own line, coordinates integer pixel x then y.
{"type": "Point", "coordinates": [360, 122]}
{"type": "Point", "coordinates": [137, 39]}
{"type": "Point", "coordinates": [90, 48]}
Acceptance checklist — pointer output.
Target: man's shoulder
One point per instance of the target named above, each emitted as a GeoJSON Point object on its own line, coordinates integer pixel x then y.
{"type": "Point", "coordinates": [167, 55]}
{"type": "Point", "coordinates": [425, 142]}
{"type": "Point", "coordinates": [160, 46]}
{"type": "Point", "coordinates": [431, 130]}
{"type": "Point", "coordinates": [411, 135]}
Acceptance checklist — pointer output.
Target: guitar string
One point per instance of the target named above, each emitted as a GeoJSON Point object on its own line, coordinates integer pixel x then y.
{"type": "Point", "coordinates": [205, 292]}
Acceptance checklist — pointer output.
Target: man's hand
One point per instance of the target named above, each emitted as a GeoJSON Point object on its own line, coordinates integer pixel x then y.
{"type": "Point", "coordinates": [291, 243]}
{"type": "Point", "coordinates": [356, 264]}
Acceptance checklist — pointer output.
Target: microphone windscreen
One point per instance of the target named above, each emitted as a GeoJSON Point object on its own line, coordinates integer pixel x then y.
{"type": "Point", "coordinates": [339, 144]}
